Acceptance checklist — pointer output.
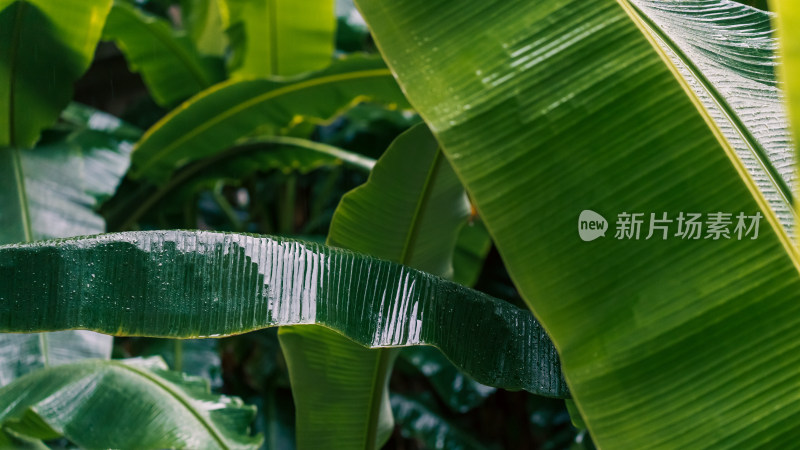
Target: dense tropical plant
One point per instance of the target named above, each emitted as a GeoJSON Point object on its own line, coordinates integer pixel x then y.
{"type": "Point", "coordinates": [239, 159]}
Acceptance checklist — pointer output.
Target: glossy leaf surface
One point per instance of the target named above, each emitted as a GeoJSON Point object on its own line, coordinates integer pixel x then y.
{"type": "Point", "coordinates": [214, 119]}
{"type": "Point", "coordinates": [134, 403]}
{"type": "Point", "coordinates": [192, 284]}
{"type": "Point", "coordinates": [589, 105]}
{"type": "Point", "coordinates": [45, 46]}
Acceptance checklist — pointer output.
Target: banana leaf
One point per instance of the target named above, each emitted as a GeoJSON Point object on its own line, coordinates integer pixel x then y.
{"type": "Point", "coordinates": [787, 22]}
{"type": "Point", "coordinates": [188, 284]}
{"type": "Point", "coordinates": [134, 403]}
{"type": "Point", "coordinates": [216, 118]}
{"type": "Point", "coordinates": [549, 108]}
{"type": "Point", "coordinates": [279, 37]}
{"type": "Point", "coordinates": [170, 64]}
{"type": "Point", "coordinates": [45, 46]}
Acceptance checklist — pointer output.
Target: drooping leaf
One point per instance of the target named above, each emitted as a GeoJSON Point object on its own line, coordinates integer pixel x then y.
{"type": "Point", "coordinates": [187, 284]}
{"type": "Point", "coordinates": [167, 59]}
{"type": "Point", "coordinates": [135, 403]}
{"type": "Point", "coordinates": [214, 119]}
{"type": "Point", "coordinates": [409, 211]}
{"type": "Point", "coordinates": [280, 37]}
{"type": "Point", "coordinates": [45, 46]}
{"type": "Point", "coordinates": [53, 191]}
{"type": "Point", "coordinates": [549, 108]}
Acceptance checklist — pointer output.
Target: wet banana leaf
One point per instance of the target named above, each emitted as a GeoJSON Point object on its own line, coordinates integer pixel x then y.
{"type": "Point", "coordinates": [170, 64]}
{"type": "Point", "coordinates": [214, 119]}
{"type": "Point", "coordinates": [45, 46]}
{"type": "Point", "coordinates": [549, 108]}
{"type": "Point", "coordinates": [135, 403]}
{"type": "Point", "coordinates": [53, 191]}
{"type": "Point", "coordinates": [280, 37]}
{"type": "Point", "coordinates": [187, 284]}
{"type": "Point", "coordinates": [409, 211]}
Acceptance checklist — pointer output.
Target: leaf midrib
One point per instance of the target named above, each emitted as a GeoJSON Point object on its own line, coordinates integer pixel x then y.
{"type": "Point", "coordinates": [641, 22]}
{"type": "Point", "coordinates": [245, 105]}
{"type": "Point", "coordinates": [758, 151]}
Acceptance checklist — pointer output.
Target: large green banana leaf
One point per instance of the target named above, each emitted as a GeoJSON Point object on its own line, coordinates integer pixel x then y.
{"type": "Point", "coordinates": [214, 119]}
{"type": "Point", "coordinates": [185, 284]}
{"type": "Point", "coordinates": [168, 61]}
{"type": "Point", "coordinates": [409, 211]}
{"type": "Point", "coordinates": [280, 37]}
{"type": "Point", "coordinates": [549, 108]}
{"type": "Point", "coordinates": [788, 31]}
{"type": "Point", "coordinates": [53, 191]}
{"type": "Point", "coordinates": [45, 46]}
{"type": "Point", "coordinates": [135, 403]}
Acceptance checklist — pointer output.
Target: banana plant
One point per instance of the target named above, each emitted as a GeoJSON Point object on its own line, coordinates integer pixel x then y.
{"type": "Point", "coordinates": [544, 112]}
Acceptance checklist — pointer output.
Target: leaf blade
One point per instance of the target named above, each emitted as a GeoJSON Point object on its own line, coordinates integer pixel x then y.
{"type": "Point", "coordinates": [198, 272]}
